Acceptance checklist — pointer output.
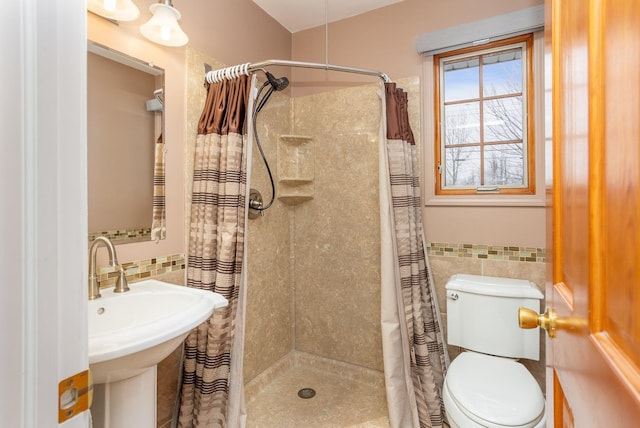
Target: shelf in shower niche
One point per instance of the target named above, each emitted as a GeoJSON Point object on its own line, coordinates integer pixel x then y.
{"type": "Point", "coordinates": [295, 139]}
{"type": "Point", "coordinates": [295, 158]}
{"type": "Point", "coordinates": [294, 199]}
{"type": "Point", "coordinates": [295, 181]}
{"type": "Point", "coordinates": [296, 162]}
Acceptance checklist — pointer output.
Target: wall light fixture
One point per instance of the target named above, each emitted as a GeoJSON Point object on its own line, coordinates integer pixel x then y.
{"type": "Point", "coordinates": [163, 27]}
{"type": "Point", "coordinates": [116, 10]}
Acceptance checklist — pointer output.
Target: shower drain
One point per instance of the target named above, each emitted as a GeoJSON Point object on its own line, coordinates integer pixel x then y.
{"type": "Point", "coordinates": [306, 393]}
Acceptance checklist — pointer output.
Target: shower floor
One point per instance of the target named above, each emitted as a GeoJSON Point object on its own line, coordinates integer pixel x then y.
{"type": "Point", "coordinates": [345, 395]}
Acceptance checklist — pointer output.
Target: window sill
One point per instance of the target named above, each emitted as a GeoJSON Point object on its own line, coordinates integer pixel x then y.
{"type": "Point", "coordinates": [493, 200]}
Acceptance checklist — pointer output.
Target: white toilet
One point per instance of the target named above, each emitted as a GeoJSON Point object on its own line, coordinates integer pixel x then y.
{"type": "Point", "coordinates": [485, 386]}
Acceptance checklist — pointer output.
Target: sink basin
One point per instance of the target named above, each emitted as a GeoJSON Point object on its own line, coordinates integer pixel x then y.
{"type": "Point", "coordinates": [133, 331]}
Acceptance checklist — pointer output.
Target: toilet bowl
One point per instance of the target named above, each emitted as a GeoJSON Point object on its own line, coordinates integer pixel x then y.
{"type": "Point", "coordinates": [486, 391]}
{"type": "Point", "coordinates": [485, 387]}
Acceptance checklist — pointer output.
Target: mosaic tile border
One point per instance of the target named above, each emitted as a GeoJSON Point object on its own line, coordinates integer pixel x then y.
{"type": "Point", "coordinates": [488, 252]}
{"type": "Point", "coordinates": [142, 269]}
{"type": "Point", "coordinates": [120, 234]}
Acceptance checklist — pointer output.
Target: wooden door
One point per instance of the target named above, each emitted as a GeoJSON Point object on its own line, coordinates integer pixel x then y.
{"type": "Point", "coordinates": [593, 378]}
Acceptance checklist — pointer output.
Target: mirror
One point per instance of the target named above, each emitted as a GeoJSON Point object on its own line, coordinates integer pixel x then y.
{"type": "Point", "coordinates": [125, 153]}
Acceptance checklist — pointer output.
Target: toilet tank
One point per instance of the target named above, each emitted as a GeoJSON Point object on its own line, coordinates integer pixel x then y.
{"type": "Point", "coordinates": [482, 315]}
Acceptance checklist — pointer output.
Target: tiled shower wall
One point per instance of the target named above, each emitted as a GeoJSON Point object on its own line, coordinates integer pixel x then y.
{"type": "Point", "coordinates": [269, 322]}
{"type": "Point", "coordinates": [328, 305]}
{"type": "Point", "coordinates": [314, 280]}
{"type": "Point", "coordinates": [337, 233]}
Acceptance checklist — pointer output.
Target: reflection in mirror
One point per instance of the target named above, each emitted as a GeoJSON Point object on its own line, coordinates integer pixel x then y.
{"type": "Point", "coordinates": [125, 124]}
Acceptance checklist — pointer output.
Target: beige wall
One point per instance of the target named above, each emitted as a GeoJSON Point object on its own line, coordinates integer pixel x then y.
{"type": "Point", "coordinates": [231, 31]}
{"type": "Point", "coordinates": [384, 39]}
{"type": "Point", "coordinates": [297, 268]}
{"type": "Point", "coordinates": [210, 26]}
{"type": "Point", "coordinates": [359, 41]}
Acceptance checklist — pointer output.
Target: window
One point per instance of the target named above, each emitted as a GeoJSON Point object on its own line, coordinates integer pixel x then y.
{"type": "Point", "coordinates": [484, 111]}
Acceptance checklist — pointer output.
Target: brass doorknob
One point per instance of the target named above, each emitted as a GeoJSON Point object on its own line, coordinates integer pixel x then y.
{"type": "Point", "coordinates": [528, 318]}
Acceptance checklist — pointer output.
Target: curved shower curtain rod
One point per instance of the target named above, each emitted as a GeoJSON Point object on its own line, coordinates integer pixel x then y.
{"type": "Point", "coordinates": [235, 71]}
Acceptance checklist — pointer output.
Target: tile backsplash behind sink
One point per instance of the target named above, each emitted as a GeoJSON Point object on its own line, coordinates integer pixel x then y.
{"type": "Point", "coordinates": [142, 269]}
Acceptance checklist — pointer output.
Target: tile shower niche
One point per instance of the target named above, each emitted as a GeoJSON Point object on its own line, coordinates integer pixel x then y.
{"type": "Point", "coordinates": [296, 162]}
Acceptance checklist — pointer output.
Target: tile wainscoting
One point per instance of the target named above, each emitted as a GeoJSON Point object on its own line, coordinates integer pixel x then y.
{"type": "Point", "coordinates": [445, 260]}
{"type": "Point", "coordinates": [116, 235]}
{"type": "Point", "coordinates": [487, 252]}
{"type": "Point", "coordinates": [448, 259]}
{"type": "Point", "coordinates": [143, 269]}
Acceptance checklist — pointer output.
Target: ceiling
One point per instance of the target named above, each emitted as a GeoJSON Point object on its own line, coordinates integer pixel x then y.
{"type": "Point", "coordinates": [297, 15]}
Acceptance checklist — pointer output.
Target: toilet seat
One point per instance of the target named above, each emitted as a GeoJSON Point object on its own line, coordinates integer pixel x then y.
{"type": "Point", "coordinates": [492, 392]}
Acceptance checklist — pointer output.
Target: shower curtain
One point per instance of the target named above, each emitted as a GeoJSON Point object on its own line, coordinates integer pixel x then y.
{"type": "Point", "coordinates": [158, 223]}
{"type": "Point", "coordinates": [212, 389]}
{"type": "Point", "coordinates": [415, 357]}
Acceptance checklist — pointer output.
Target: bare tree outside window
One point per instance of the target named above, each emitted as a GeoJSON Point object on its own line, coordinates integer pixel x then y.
{"type": "Point", "coordinates": [462, 153]}
{"type": "Point", "coordinates": [483, 126]}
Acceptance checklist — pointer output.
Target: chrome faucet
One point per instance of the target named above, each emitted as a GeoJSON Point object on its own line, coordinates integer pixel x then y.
{"type": "Point", "coordinates": [121, 283]}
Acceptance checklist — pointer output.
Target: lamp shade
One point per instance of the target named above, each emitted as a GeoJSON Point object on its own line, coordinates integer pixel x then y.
{"type": "Point", "coordinates": [117, 10]}
{"type": "Point", "coordinates": [163, 27]}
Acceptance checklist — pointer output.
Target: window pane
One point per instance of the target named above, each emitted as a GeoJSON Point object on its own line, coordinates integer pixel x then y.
{"type": "Point", "coordinates": [503, 119]}
{"type": "Point", "coordinates": [462, 166]}
{"type": "Point", "coordinates": [502, 73]}
{"type": "Point", "coordinates": [483, 121]}
{"type": "Point", "coordinates": [461, 80]}
{"type": "Point", "coordinates": [504, 164]}
{"type": "Point", "coordinates": [462, 123]}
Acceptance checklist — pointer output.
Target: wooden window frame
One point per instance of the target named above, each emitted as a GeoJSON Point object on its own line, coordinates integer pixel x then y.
{"type": "Point", "coordinates": [530, 189]}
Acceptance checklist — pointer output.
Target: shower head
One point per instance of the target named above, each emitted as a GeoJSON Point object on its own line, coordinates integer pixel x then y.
{"type": "Point", "coordinates": [264, 99]}
{"type": "Point", "coordinates": [277, 84]}
{"type": "Point", "coordinates": [156, 103]}
{"type": "Point", "coordinates": [159, 94]}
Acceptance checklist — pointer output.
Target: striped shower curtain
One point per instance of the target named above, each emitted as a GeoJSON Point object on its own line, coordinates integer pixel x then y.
{"type": "Point", "coordinates": [415, 357]}
{"type": "Point", "coordinates": [212, 372]}
{"type": "Point", "coordinates": [159, 220]}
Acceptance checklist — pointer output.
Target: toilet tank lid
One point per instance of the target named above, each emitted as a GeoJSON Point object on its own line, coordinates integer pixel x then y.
{"type": "Point", "coordinates": [494, 286]}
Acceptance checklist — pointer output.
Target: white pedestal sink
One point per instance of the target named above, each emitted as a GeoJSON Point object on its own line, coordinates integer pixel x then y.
{"type": "Point", "coordinates": [129, 334]}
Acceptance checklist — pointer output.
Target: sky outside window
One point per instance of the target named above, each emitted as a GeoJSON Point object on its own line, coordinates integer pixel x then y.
{"type": "Point", "coordinates": [483, 119]}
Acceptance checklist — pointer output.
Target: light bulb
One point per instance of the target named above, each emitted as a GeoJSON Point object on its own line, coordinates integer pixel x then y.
{"type": "Point", "coordinates": [165, 32]}
{"type": "Point", "coordinates": [116, 10]}
{"type": "Point", "coordinates": [163, 27]}
{"type": "Point", "coordinates": [109, 5]}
